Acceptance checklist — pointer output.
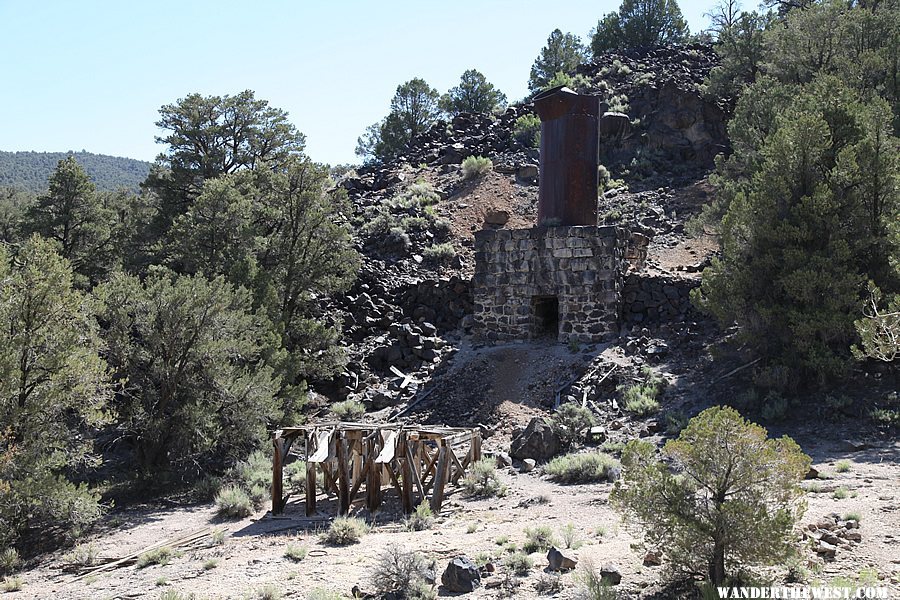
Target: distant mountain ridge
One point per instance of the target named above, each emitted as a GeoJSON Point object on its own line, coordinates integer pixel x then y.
{"type": "Point", "coordinates": [30, 170]}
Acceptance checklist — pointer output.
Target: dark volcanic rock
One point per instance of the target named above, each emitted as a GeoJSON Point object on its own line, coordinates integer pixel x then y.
{"type": "Point", "coordinates": [539, 441]}
{"type": "Point", "coordinates": [461, 575]}
{"type": "Point", "coordinates": [561, 560]}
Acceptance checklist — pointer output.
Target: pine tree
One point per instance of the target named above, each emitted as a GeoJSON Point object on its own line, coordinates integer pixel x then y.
{"type": "Point", "coordinates": [562, 54]}
{"type": "Point", "coordinates": [74, 215]}
{"type": "Point", "coordinates": [640, 24]}
{"type": "Point", "coordinates": [414, 108]}
{"type": "Point", "coordinates": [474, 94]}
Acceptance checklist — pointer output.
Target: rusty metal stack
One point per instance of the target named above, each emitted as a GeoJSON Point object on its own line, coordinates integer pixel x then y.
{"type": "Point", "coordinates": [569, 157]}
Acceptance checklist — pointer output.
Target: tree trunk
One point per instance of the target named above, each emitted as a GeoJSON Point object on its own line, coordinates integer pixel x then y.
{"type": "Point", "coordinates": [717, 566]}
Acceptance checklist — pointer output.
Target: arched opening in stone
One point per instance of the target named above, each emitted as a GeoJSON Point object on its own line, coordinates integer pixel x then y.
{"type": "Point", "coordinates": [545, 316]}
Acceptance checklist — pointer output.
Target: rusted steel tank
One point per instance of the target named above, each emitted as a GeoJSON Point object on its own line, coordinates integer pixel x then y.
{"type": "Point", "coordinates": [569, 157]}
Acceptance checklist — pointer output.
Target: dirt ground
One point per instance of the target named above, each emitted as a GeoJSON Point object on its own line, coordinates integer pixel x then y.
{"type": "Point", "coordinates": [252, 553]}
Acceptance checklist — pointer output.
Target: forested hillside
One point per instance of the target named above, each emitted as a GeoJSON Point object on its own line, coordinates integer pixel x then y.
{"type": "Point", "coordinates": [30, 170]}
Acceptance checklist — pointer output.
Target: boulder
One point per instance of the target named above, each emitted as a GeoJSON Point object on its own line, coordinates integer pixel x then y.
{"type": "Point", "coordinates": [539, 441]}
{"type": "Point", "coordinates": [528, 465]}
{"type": "Point", "coordinates": [595, 435]}
{"type": "Point", "coordinates": [830, 538]}
{"type": "Point", "coordinates": [614, 125]}
{"type": "Point", "coordinates": [527, 173]}
{"type": "Point", "coordinates": [461, 575]}
{"type": "Point", "coordinates": [453, 154]}
{"type": "Point", "coordinates": [383, 399]}
{"type": "Point", "coordinates": [610, 573]}
{"type": "Point", "coordinates": [496, 217]}
{"type": "Point", "coordinates": [825, 549]}
{"type": "Point", "coordinates": [652, 559]}
{"type": "Point", "coordinates": [561, 560]}
{"type": "Point", "coordinates": [503, 459]}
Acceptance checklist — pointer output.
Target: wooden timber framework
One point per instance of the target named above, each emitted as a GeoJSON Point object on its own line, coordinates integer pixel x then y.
{"type": "Point", "coordinates": [355, 458]}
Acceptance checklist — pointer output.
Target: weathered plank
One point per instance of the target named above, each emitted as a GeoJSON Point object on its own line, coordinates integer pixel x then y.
{"type": "Point", "coordinates": [323, 447]}
{"type": "Point", "coordinates": [388, 450]}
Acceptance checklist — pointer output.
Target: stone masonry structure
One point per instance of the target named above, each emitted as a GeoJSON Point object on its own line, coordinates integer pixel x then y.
{"type": "Point", "coordinates": [559, 282]}
{"type": "Point", "coordinates": [562, 279]}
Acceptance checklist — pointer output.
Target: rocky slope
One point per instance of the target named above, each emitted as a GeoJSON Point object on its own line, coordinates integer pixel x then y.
{"type": "Point", "coordinates": [410, 309]}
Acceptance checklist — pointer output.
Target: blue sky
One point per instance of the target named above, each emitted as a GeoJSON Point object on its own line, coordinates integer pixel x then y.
{"type": "Point", "coordinates": [92, 74]}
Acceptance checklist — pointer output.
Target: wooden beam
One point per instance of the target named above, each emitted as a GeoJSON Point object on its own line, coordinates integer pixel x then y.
{"type": "Point", "coordinates": [356, 452]}
{"type": "Point", "coordinates": [278, 475]}
{"type": "Point", "coordinates": [415, 466]}
{"type": "Point", "coordinates": [310, 482]}
{"type": "Point", "coordinates": [358, 482]}
{"type": "Point", "coordinates": [373, 485]}
{"type": "Point", "coordinates": [437, 498]}
{"type": "Point", "coordinates": [460, 469]}
{"type": "Point", "coordinates": [429, 466]}
{"type": "Point", "coordinates": [343, 476]}
{"type": "Point", "coordinates": [405, 474]}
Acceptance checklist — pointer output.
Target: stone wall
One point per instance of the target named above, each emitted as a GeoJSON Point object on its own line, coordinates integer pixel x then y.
{"type": "Point", "coordinates": [442, 302]}
{"type": "Point", "coordinates": [652, 299]}
{"type": "Point", "coordinates": [561, 282]}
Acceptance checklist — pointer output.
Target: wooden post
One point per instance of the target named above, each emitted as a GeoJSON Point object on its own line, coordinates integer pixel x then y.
{"type": "Point", "coordinates": [343, 475]}
{"type": "Point", "coordinates": [356, 456]}
{"type": "Point", "coordinates": [415, 469]}
{"type": "Point", "coordinates": [373, 484]}
{"type": "Point", "coordinates": [310, 482]}
{"type": "Point", "coordinates": [476, 445]}
{"type": "Point", "coordinates": [277, 475]}
{"type": "Point", "coordinates": [440, 478]}
{"type": "Point", "coordinates": [405, 474]}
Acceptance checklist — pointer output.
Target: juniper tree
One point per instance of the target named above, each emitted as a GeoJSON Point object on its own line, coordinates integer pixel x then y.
{"type": "Point", "coordinates": [799, 239]}
{"type": "Point", "coordinates": [53, 390]}
{"type": "Point", "coordinates": [282, 234]}
{"type": "Point", "coordinates": [195, 361]}
{"type": "Point", "coordinates": [723, 495]}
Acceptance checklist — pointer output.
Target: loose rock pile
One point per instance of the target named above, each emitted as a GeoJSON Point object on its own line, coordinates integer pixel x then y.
{"type": "Point", "coordinates": [407, 346]}
{"type": "Point", "coordinates": [400, 295]}
{"type": "Point", "coordinates": [830, 533]}
{"type": "Point", "coordinates": [669, 117]}
{"type": "Point", "coordinates": [661, 91]}
{"type": "Point", "coordinates": [443, 302]}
